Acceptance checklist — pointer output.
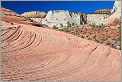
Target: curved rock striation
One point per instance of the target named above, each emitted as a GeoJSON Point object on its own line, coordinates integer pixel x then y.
{"type": "Point", "coordinates": [32, 53]}
{"type": "Point", "coordinates": [12, 17]}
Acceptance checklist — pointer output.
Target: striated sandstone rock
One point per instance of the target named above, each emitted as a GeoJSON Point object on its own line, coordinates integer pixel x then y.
{"type": "Point", "coordinates": [34, 14]}
{"type": "Point", "coordinates": [31, 53]}
{"type": "Point", "coordinates": [12, 18]}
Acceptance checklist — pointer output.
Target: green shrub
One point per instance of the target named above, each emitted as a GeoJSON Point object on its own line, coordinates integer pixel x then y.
{"type": "Point", "coordinates": [65, 30]}
{"type": "Point", "coordinates": [97, 41]}
{"type": "Point", "coordinates": [101, 27]}
{"type": "Point", "coordinates": [108, 43]}
{"type": "Point", "coordinates": [61, 25]}
{"type": "Point", "coordinates": [73, 24]}
{"type": "Point", "coordinates": [68, 24]}
{"type": "Point", "coordinates": [82, 36]}
{"type": "Point", "coordinates": [94, 37]}
{"type": "Point", "coordinates": [54, 27]}
{"type": "Point", "coordinates": [113, 46]}
{"type": "Point", "coordinates": [89, 38]}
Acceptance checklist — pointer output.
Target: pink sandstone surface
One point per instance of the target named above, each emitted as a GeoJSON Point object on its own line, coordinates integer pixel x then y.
{"type": "Point", "coordinates": [33, 53]}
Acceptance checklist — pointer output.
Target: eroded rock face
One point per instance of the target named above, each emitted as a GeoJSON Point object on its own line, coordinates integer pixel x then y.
{"type": "Point", "coordinates": [62, 18]}
{"type": "Point", "coordinates": [96, 18]}
{"type": "Point", "coordinates": [106, 19]}
{"type": "Point", "coordinates": [116, 13]}
{"type": "Point", "coordinates": [34, 14]}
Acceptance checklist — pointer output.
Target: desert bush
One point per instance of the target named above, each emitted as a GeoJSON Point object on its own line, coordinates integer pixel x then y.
{"type": "Point", "coordinates": [113, 46]}
{"type": "Point", "coordinates": [61, 25]}
{"type": "Point", "coordinates": [54, 27]}
{"type": "Point", "coordinates": [73, 24]}
{"type": "Point", "coordinates": [103, 39]}
{"type": "Point", "coordinates": [97, 41]}
{"type": "Point", "coordinates": [82, 36]}
{"type": "Point", "coordinates": [89, 38]}
{"type": "Point", "coordinates": [94, 37]}
{"type": "Point", "coordinates": [108, 43]}
{"type": "Point", "coordinates": [93, 25]}
{"type": "Point", "coordinates": [108, 36]}
{"type": "Point", "coordinates": [68, 24]}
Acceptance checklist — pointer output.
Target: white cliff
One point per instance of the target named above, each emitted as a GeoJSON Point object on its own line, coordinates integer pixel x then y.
{"type": "Point", "coordinates": [60, 18]}
{"type": "Point", "coordinates": [105, 19]}
{"type": "Point", "coordinates": [34, 14]}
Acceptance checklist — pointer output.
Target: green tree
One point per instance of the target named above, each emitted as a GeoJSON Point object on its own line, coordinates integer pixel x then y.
{"type": "Point", "coordinates": [54, 27]}
{"type": "Point", "coordinates": [61, 25]}
{"type": "Point", "coordinates": [68, 24]}
{"type": "Point", "coordinates": [73, 24]}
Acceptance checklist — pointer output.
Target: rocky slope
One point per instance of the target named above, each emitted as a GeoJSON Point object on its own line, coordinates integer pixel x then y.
{"type": "Point", "coordinates": [12, 17]}
{"type": "Point", "coordinates": [103, 11]}
{"type": "Point", "coordinates": [61, 18]}
{"type": "Point", "coordinates": [32, 53]}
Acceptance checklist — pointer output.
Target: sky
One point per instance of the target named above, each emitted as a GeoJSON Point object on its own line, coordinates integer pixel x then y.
{"type": "Point", "coordinates": [74, 6]}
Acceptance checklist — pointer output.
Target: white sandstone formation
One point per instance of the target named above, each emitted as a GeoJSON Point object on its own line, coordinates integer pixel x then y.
{"type": "Point", "coordinates": [60, 18]}
{"type": "Point", "coordinates": [105, 19]}
{"type": "Point", "coordinates": [34, 14]}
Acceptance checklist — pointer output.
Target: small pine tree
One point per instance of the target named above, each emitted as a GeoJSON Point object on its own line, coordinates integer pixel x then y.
{"type": "Point", "coordinates": [73, 24]}
{"type": "Point", "coordinates": [68, 24]}
{"type": "Point", "coordinates": [54, 27]}
{"type": "Point", "coordinates": [61, 25]}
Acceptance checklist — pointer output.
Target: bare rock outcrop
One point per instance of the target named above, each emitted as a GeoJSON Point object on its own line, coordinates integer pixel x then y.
{"type": "Point", "coordinates": [32, 53]}
{"type": "Point", "coordinates": [65, 18]}
{"type": "Point", "coordinates": [12, 18]}
{"type": "Point", "coordinates": [62, 18]}
{"type": "Point", "coordinates": [106, 19]}
{"type": "Point", "coordinates": [34, 14]}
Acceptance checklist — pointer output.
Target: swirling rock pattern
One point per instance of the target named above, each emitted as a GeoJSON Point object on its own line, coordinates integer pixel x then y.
{"type": "Point", "coordinates": [32, 53]}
